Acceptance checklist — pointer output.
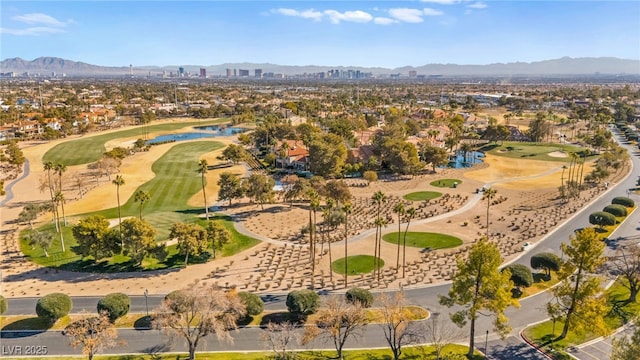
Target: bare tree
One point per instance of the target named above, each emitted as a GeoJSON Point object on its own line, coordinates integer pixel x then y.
{"type": "Point", "coordinates": [92, 334]}
{"type": "Point", "coordinates": [398, 328]}
{"type": "Point", "coordinates": [440, 332]}
{"type": "Point", "coordinates": [278, 337]}
{"type": "Point", "coordinates": [198, 311]}
{"type": "Point", "coordinates": [336, 322]}
{"type": "Point", "coordinates": [626, 263]}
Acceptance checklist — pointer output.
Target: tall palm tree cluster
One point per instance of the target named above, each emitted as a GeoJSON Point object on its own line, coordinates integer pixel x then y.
{"type": "Point", "coordinates": [56, 194]}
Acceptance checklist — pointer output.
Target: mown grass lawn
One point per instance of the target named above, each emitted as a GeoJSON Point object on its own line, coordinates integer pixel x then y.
{"type": "Point", "coordinates": [424, 240]}
{"type": "Point", "coordinates": [445, 183]}
{"type": "Point", "coordinates": [90, 149]}
{"type": "Point", "coordinates": [357, 264]}
{"type": "Point", "coordinates": [422, 195]}
{"type": "Point", "coordinates": [534, 151]}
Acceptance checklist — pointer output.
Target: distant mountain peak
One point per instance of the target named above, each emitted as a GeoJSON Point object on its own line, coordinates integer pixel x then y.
{"type": "Point", "coordinates": [562, 66]}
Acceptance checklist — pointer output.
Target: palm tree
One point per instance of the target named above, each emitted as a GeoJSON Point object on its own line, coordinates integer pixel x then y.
{"type": "Point", "coordinates": [347, 210]}
{"type": "Point", "coordinates": [59, 198]}
{"type": "Point", "coordinates": [411, 212]}
{"type": "Point", "coordinates": [380, 222]}
{"type": "Point", "coordinates": [562, 187]}
{"type": "Point", "coordinates": [203, 167]}
{"type": "Point", "coordinates": [584, 155]}
{"type": "Point", "coordinates": [60, 169]}
{"type": "Point", "coordinates": [314, 205]}
{"type": "Point", "coordinates": [142, 197]}
{"type": "Point", "coordinates": [119, 181]}
{"type": "Point", "coordinates": [48, 166]}
{"type": "Point", "coordinates": [378, 198]}
{"type": "Point", "coordinates": [489, 194]}
{"type": "Point", "coordinates": [400, 211]}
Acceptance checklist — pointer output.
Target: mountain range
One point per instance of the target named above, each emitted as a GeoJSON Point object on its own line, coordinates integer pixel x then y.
{"type": "Point", "coordinates": [562, 66]}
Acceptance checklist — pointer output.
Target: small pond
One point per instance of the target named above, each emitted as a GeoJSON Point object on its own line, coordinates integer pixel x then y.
{"type": "Point", "coordinates": [462, 160]}
{"type": "Point", "coordinates": [205, 132]}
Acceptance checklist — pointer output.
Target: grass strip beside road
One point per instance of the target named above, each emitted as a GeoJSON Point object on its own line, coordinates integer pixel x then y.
{"type": "Point", "coordinates": [90, 148]}
{"type": "Point", "coordinates": [408, 353]}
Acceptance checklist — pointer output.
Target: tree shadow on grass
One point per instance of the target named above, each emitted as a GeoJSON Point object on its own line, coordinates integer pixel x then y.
{"type": "Point", "coordinates": [90, 265]}
{"type": "Point", "coordinates": [25, 327]}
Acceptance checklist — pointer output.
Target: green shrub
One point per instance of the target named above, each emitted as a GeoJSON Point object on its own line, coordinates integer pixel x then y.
{"type": "Point", "coordinates": [546, 261]}
{"type": "Point", "coordinates": [53, 306]}
{"type": "Point", "coordinates": [602, 219]}
{"type": "Point", "coordinates": [252, 302]}
{"type": "Point", "coordinates": [624, 201]}
{"type": "Point", "coordinates": [116, 305]}
{"type": "Point", "coordinates": [520, 275]}
{"type": "Point", "coordinates": [359, 296]}
{"type": "Point", "coordinates": [3, 305]}
{"type": "Point", "coordinates": [302, 303]}
{"type": "Point", "coordinates": [616, 210]}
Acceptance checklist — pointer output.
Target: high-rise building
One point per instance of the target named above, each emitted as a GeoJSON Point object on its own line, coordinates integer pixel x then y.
{"type": "Point", "coordinates": [258, 73]}
{"type": "Point", "coordinates": [203, 72]}
{"type": "Point", "coordinates": [235, 72]}
{"type": "Point", "coordinates": [243, 73]}
{"type": "Point", "coordinates": [412, 73]}
{"type": "Point", "coordinates": [229, 73]}
{"type": "Point", "coordinates": [180, 72]}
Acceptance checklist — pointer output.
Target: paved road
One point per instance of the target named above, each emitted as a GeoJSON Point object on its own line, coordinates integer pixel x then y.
{"type": "Point", "coordinates": [9, 187]}
{"type": "Point", "coordinates": [532, 309]}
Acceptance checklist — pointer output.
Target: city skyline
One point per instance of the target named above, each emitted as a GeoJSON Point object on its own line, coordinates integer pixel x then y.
{"type": "Point", "coordinates": [369, 34]}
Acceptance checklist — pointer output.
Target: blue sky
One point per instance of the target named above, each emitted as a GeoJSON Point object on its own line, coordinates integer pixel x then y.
{"type": "Point", "coordinates": [350, 33]}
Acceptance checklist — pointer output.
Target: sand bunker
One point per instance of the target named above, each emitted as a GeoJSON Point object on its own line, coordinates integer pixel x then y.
{"type": "Point", "coordinates": [558, 154]}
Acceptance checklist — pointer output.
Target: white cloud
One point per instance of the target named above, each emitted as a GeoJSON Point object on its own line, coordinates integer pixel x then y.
{"type": "Point", "coordinates": [384, 21]}
{"type": "Point", "coordinates": [306, 14]}
{"type": "Point", "coordinates": [432, 12]}
{"type": "Point", "coordinates": [478, 5]}
{"type": "Point", "coordinates": [351, 16]}
{"type": "Point", "coordinates": [32, 31]}
{"type": "Point", "coordinates": [39, 18]}
{"type": "Point", "coordinates": [407, 15]}
{"type": "Point", "coordinates": [442, 2]}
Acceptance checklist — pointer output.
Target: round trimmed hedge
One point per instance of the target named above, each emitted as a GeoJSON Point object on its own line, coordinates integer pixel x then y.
{"type": "Point", "coordinates": [3, 305]}
{"type": "Point", "coordinates": [116, 305]}
{"type": "Point", "coordinates": [546, 261]}
{"type": "Point", "coordinates": [302, 303]}
{"type": "Point", "coordinates": [616, 210]}
{"type": "Point", "coordinates": [360, 296]}
{"type": "Point", "coordinates": [602, 218]}
{"type": "Point", "coordinates": [53, 306]}
{"type": "Point", "coordinates": [252, 302]}
{"type": "Point", "coordinates": [520, 275]}
{"type": "Point", "coordinates": [624, 201]}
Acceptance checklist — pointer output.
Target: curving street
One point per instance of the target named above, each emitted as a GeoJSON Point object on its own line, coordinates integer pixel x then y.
{"type": "Point", "coordinates": [246, 339]}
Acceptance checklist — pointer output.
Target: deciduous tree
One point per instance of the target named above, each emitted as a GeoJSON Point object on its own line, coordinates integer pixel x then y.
{"type": "Point", "coordinates": [197, 312]}
{"type": "Point", "coordinates": [138, 239]}
{"type": "Point", "coordinates": [337, 321]}
{"type": "Point", "coordinates": [217, 235]}
{"type": "Point", "coordinates": [191, 238]}
{"type": "Point", "coordinates": [480, 285]}
{"type": "Point", "coordinates": [92, 334]}
{"type": "Point", "coordinates": [229, 187]}
{"type": "Point", "coordinates": [95, 238]}
{"type": "Point", "coordinates": [399, 330]}
{"type": "Point", "coordinates": [577, 295]}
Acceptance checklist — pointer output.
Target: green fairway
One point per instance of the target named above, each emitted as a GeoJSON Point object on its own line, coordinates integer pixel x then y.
{"type": "Point", "coordinates": [90, 149]}
{"type": "Point", "coordinates": [357, 264]}
{"type": "Point", "coordinates": [176, 181]}
{"type": "Point", "coordinates": [422, 195]}
{"type": "Point", "coordinates": [424, 240]}
{"type": "Point", "coordinates": [445, 182]}
{"type": "Point", "coordinates": [534, 151]}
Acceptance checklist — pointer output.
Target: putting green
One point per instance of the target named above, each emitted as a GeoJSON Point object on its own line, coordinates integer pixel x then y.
{"type": "Point", "coordinates": [357, 264]}
{"type": "Point", "coordinates": [445, 182]}
{"type": "Point", "coordinates": [90, 149]}
{"type": "Point", "coordinates": [424, 240]}
{"type": "Point", "coordinates": [422, 195]}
